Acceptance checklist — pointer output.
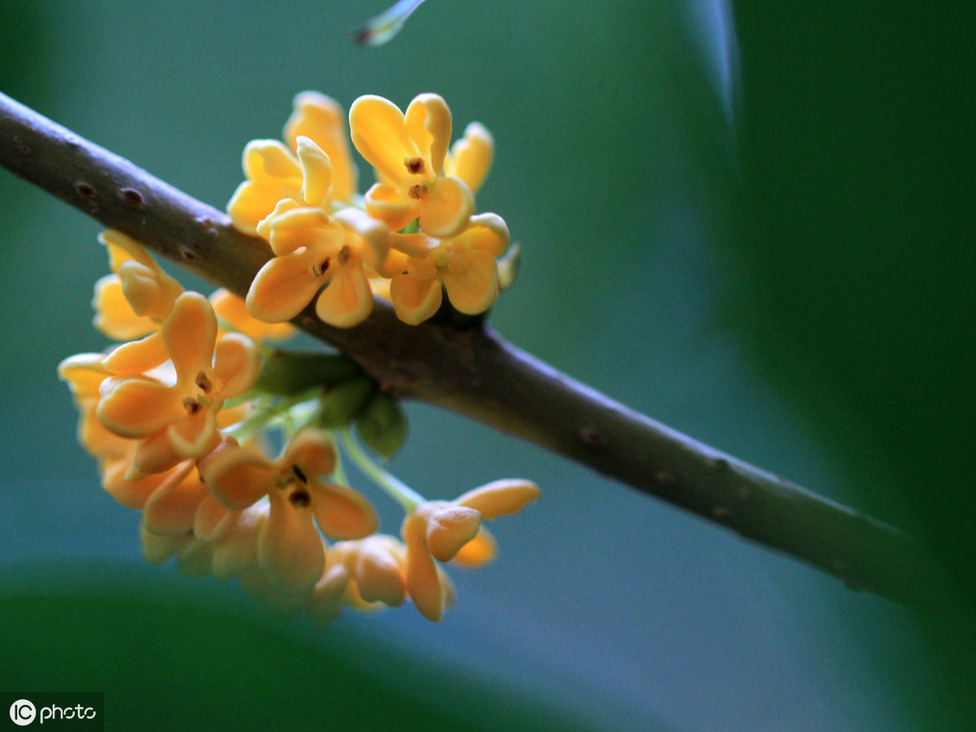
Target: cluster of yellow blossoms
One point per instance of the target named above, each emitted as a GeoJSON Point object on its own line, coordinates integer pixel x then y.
{"type": "Point", "coordinates": [413, 234]}
{"type": "Point", "coordinates": [180, 415]}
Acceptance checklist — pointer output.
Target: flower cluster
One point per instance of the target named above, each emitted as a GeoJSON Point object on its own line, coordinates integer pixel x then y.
{"type": "Point", "coordinates": [414, 234]}
{"type": "Point", "coordinates": [182, 413]}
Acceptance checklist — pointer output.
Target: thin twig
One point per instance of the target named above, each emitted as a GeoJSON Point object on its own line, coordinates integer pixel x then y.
{"type": "Point", "coordinates": [475, 372]}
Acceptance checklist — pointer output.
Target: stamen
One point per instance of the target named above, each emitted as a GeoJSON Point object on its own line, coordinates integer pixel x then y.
{"type": "Point", "coordinates": [203, 383]}
{"type": "Point", "coordinates": [191, 405]}
{"type": "Point", "coordinates": [319, 269]}
{"type": "Point", "coordinates": [344, 254]}
{"type": "Point", "coordinates": [300, 499]}
{"type": "Point", "coordinates": [299, 473]}
{"type": "Point", "coordinates": [414, 165]}
{"type": "Point", "coordinates": [417, 191]}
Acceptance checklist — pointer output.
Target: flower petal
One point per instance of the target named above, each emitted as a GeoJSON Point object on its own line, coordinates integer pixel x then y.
{"type": "Point", "coordinates": [486, 232]}
{"type": "Point", "coordinates": [273, 174]}
{"type": "Point", "coordinates": [157, 548]}
{"type": "Point", "coordinates": [250, 203]}
{"type": "Point", "coordinates": [474, 289]}
{"type": "Point", "coordinates": [212, 519]}
{"type": "Point", "coordinates": [379, 133]}
{"type": "Point", "coordinates": [316, 173]}
{"type": "Point", "coordinates": [416, 246]}
{"type": "Point", "coordinates": [477, 552]}
{"type": "Point", "coordinates": [449, 528]}
{"type": "Point", "coordinates": [500, 497]}
{"type": "Point", "coordinates": [237, 551]}
{"type": "Point", "coordinates": [292, 225]}
{"type": "Point", "coordinates": [378, 573]}
{"type": "Point", "coordinates": [149, 291]}
{"type": "Point", "coordinates": [325, 604]}
{"type": "Point", "coordinates": [347, 300]}
{"type": "Point", "coordinates": [290, 550]}
{"type": "Point", "coordinates": [114, 315]}
{"type": "Point", "coordinates": [428, 122]}
{"type": "Point", "coordinates": [271, 159]}
{"type": "Point", "coordinates": [415, 298]}
{"type": "Point", "coordinates": [284, 287]}
{"type": "Point", "coordinates": [171, 508]}
{"type": "Point", "coordinates": [190, 333]}
{"type": "Point", "coordinates": [446, 208]}
{"type": "Point", "coordinates": [423, 579]}
{"type": "Point", "coordinates": [137, 357]}
{"type": "Point", "coordinates": [130, 492]}
{"type": "Point", "coordinates": [232, 311]}
{"type": "Point", "coordinates": [390, 205]}
{"type": "Point", "coordinates": [155, 454]}
{"type": "Point", "coordinates": [236, 364]}
{"type": "Point", "coordinates": [122, 248]}
{"type": "Point", "coordinates": [84, 373]}
{"type": "Point", "coordinates": [320, 118]}
{"type": "Point", "coordinates": [238, 477]}
{"type": "Point", "coordinates": [341, 512]}
{"type": "Point", "coordinates": [374, 236]}
{"type": "Point", "coordinates": [137, 406]}
{"type": "Point", "coordinates": [195, 435]}
{"type": "Point", "coordinates": [312, 450]}
{"type": "Point", "coordinates": [98, 440]}
{"type": "Point", "coordinates": [472, 155]}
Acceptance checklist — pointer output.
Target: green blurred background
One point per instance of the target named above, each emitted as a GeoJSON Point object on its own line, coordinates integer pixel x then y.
{"type": "Point", "coordinates": [754, 223]}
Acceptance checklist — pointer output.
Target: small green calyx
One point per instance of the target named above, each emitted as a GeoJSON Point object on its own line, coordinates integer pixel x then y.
{"type": "Point", "coordinates": [383, 425]}
{"type": "Point", "coordinates": [344, 401]}
{"type": "Point", "coordinates": [286, 373]}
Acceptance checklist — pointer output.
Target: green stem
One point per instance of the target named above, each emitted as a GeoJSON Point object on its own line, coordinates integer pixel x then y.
{"type": "Point", "coordinates": [270, 412]}
{"type": "Point", "coordinates": [393, 486]}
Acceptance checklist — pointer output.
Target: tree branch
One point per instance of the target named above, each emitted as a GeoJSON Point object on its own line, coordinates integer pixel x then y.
{"type": "Point", "coordinates": [475, 372]}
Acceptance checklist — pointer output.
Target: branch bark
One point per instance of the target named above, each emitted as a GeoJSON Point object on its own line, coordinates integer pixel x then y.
{"type": "Point", "coordinates": [473, 371]}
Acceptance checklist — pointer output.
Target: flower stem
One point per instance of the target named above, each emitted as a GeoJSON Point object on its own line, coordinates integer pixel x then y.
{"type": "Point", "coordinates": [288, 411]}
{"type": "Point", "coordinates": [393, 486]}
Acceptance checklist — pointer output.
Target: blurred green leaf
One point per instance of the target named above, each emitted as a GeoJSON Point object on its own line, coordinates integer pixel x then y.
{"type": "Point", "coordinates": [860, 165]}
{"type": "Point", "coordinates": [172, 663]}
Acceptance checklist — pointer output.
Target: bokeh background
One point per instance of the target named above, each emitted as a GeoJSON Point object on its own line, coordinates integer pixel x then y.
{"type": "Point", "coordinates": [754, 223]}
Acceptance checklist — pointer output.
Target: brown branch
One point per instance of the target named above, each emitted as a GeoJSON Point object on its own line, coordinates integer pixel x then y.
{"type": "Point", "coordinates": [476, 373]}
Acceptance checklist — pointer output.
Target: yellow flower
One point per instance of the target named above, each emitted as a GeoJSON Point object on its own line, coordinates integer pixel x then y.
{"type": "Point", "coordinates": [470, 157]}
{"type": "Point", "coordinates": [235, 540]}
{"type": "Point", "coordinates": [134, 490]}
{"type": "Point", "coordinates": [313, 169]}
{"type": "Point", "coordinates": [464, 264]}
{"type": "Point", "coordinates": [289, 547]}
{"type": "Point", "coordinates": [233, 311]}
{"type": "Point", "coordinates": [171, 509]}
{"type": "Point", "coordinates": [408, 151]}
{"type": "Point", "coordinates": [132, 302]}
{"type": "Point", "coordinates": [365, 574]}
{"type": "Point", "coordinates": [134, 299]}
{"type": "Point", "coordinates": [173, 411]}
{"type": "Point", "coordinates": [193, 557]}
{"type": "Point", "coordinates": [314, 250]}
{"type": "Point", "coordinates": [442, 530]}
{"type": "Point", "coordinates": [321, 119]}
{"type": "Point", "coordinates": [84, 374]}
